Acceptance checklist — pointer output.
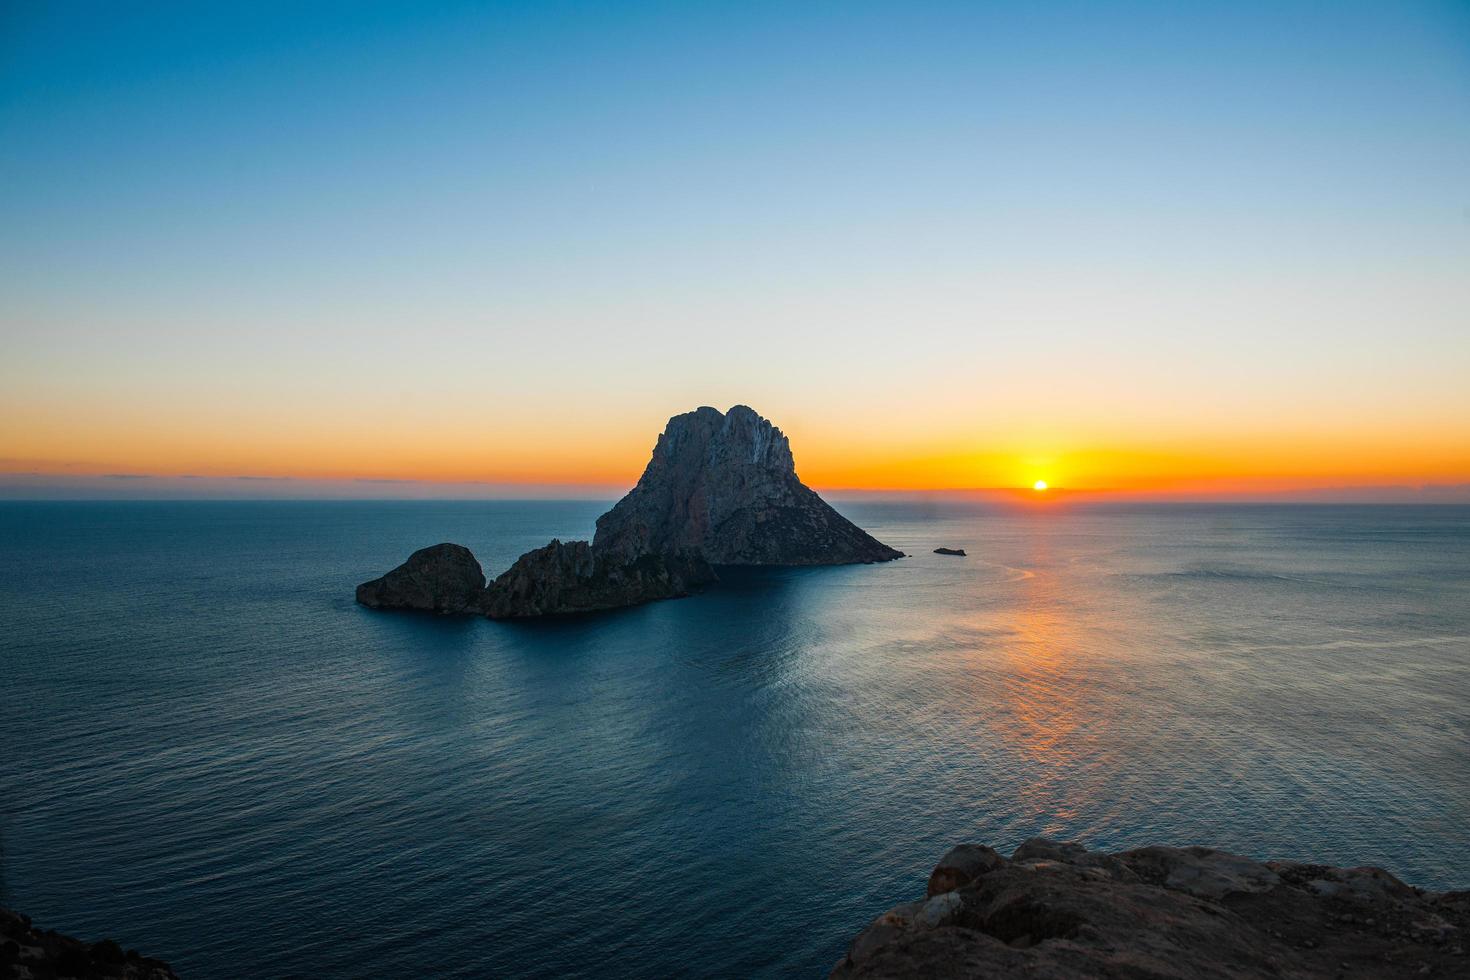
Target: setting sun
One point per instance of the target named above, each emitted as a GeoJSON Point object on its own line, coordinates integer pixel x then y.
{"type": "Point", "coordinates": [1039, 485]}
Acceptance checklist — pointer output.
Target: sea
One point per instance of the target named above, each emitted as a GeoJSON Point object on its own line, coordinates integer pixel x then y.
{"type": "Point", "coordinates": [209, 752]}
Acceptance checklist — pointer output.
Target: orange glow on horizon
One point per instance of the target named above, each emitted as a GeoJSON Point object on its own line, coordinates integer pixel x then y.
{"type": "Point", "coordinates": [609, 451]}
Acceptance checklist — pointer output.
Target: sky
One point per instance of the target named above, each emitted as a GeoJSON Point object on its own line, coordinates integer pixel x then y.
{"type": "Point", "coordinates": [1171, 247]}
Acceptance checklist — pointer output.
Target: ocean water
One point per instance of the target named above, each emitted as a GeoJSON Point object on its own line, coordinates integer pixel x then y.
{"type": "Point", "coordinates": [209, 752]}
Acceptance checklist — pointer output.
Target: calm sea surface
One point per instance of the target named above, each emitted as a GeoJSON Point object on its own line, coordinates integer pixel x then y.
{"type": "Point", "coordinates": [209, 752]}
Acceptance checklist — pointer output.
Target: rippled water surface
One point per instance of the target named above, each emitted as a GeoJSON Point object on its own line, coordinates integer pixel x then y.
{"type": "Point", "coordinates": [209, 752]}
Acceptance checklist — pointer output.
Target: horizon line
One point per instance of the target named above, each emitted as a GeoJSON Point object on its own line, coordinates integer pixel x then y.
{"type": "Point", "coordinates": [36, 487]}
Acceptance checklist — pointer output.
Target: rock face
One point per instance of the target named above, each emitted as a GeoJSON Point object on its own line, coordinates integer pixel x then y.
{"type": "Point", "coordinates": [444, 578]}
{"type": "Point", "coordinates": [957, 552]}
{"type": "Point", "coordinates": [724, 486]}
{"type": "Point", "coordinates": [571, 577]}
{"type": "Point", "coordinates": [28, 952]}
{"type": "Point", "coordinates": [720, 489]}
{"type": "Point", "coordinates": [1057, 910]}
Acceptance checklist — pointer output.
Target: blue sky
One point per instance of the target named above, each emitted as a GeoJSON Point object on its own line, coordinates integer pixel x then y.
{"type": "Point", "coordinates": [1133, 226]}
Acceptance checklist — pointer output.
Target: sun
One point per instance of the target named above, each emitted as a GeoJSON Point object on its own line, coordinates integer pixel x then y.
{"type": "Point", "coordinates": [1039, 485]}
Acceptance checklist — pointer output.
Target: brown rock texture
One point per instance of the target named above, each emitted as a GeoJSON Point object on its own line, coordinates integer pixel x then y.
{"type": "Point", "coordinates": [724, 486]}
{"type": "Point", "coordinates": [27, 952]}
{"type": "Point", "coordinates": [444, 578]}
{"type": "Point", "coordinates": [1057, 910]}
{"type": "Point", "coordinates": [569, 577]}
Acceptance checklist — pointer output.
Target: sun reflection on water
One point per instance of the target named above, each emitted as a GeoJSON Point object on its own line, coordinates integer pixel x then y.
{"type": "Point", "coordinates": [1042, 709]}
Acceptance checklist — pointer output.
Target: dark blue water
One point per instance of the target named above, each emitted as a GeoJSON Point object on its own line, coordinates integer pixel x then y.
{"type": "Point", "coordinates": [210, 753]}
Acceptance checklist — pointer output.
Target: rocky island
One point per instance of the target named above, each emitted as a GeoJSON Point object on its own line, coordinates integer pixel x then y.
{"type": "Point", "coordinates": [443, 578]}
{"type": "Point", "coordinates": [577, 577]}
{"type": "Point", "coordinates": [724, 487]}
{"type": "Point", "coordinates": [721, 489]}
{"type": "Point", "coordinates": [1056, 910]}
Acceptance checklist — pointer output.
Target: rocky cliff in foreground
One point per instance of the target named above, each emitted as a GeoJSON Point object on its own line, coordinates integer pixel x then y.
{"type": "Point", "coordinates": [721, 489]}
{"type": "Point", "coordinates": [28, 953]}
{"type": "Point", "coordinates": [1055, 910]}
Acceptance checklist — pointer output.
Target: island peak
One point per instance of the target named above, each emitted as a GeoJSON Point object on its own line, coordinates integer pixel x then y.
{"type": "Point", "coordinates": [724, 485]}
